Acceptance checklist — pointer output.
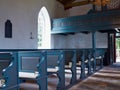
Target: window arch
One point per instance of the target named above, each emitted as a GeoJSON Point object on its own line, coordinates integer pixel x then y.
{"type": "Point", "coordinates": [44, 29]}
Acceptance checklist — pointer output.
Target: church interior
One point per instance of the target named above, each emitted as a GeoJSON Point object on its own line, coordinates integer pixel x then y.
{"type": "Point", "coordinates": [60, 44]}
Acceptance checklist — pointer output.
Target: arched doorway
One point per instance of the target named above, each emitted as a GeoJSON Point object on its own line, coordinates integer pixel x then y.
{"type": "Point", "coordinates": [44, 29]}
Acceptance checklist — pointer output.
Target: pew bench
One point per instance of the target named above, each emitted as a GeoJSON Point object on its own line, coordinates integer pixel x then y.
{"type": "Point", "coordinates": [4, 63]}
{"type": "Point", "coordinates": [33, 66]}
{"type": "Point", "coordinates": [30, 70]}
{"type": "Point", "coordinates": [8, 71]}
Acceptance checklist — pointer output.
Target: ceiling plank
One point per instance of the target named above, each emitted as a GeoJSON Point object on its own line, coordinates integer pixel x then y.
{"type": "Point", "coordinates": [70, 5]}
{"type": "Point", "coordinates": [64, 2]}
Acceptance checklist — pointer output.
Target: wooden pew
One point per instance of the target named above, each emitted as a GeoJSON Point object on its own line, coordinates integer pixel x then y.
{"type": "Point", "coordinates": [52, 61]}
{"type": "Point", "coordinates": [96, 59]}
{"type": "Point", "coordinates": [4, 63]}
{"type": "Point", "coordinates": [45, 68]}
{"type": "Point", "coordinates": [36, 68]}
{"type": "Point", "coordinates": [70, 64]}
{"type": "Point", "coordinates": [99, 56]}
{"type": "Point", "coordinates": [8, 71]}
{"type": "Point", "coordinates": [59, 69]}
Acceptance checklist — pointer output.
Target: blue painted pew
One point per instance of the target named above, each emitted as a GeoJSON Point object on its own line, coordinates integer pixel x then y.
{"type": "Point", "coordinates": [61, 69]}
{"type": "Point", "coordinates": [58, 55]}
{"type": "Point", "coordinates": [87, 58]}
{"type": "Point", "coordinates": [90, 62]}
{"type": "Point", "coordinates": [73, 68]}
{"type": "Point", "coordinates": [99, 57]}
{"type": "Point", "coordinates": [9, 77]}
{"type": "Point", "coordinates": [70, 63]}
{"type": "Point", "coordinates": [67, 56]}
{"type": "Point", "coordinates": [43, 57]}
{"type": "Point", "coordinates": [95, 59]}
{"type": "Point", "coordinates": [39, 65]}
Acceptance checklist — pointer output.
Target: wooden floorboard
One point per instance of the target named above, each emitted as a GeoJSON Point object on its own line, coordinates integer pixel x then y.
{"type": "Point", "coordinates": [107, 78]}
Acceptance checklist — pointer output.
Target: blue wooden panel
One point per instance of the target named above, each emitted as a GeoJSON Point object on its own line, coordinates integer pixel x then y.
{"type": "Point", "coordinates": [87, 53]}
{"type": "Point", "coordinates": [61, 72]}
{"type": "Point", "coordinates": [10, 73]}
{"type": "Point", "coordinates": [29, 57]}
{"type": "Point", "coordinates": [89, 62]}
{"type": "Point", "coordinates": [82, 76]}
{"type": "Point", "coordinates": [42, 69]}
{"type": "Point", "coordinates": [90, 22]}
{"type": "Point", "coordinates": [41, 66]}
{"type": "Point", "coordinates": [100, 54]}
{"type": "Point", "coordinates": [73, 68]}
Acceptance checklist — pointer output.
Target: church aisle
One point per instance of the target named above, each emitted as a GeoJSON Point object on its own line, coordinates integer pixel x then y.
{"type": "Point", "coordinates": [107, 78]}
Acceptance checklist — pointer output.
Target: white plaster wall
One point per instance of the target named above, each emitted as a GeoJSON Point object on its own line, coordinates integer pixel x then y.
{"type": "Point", "coordinates": [80, 40]}
{"type": "Point", "coordinates": [101, 40]}
{"type": "Point", "coordinates": [79, 10]}
{"type": "Point", "coordinates": [60, 41]}
{"type": "Point", "coordinates": [23, 15]}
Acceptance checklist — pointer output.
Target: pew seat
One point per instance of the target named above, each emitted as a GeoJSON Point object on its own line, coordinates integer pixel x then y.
{"type": "Point", "coordinates": [31, 75]}
{"type": "Point", "coordinates": [28, 75]}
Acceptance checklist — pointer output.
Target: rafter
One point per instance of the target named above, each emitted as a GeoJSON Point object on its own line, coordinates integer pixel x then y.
{"type": "Point", "coordinates": [71, 3]}
{"type": "Point", "coordinates": [64, 2]}
{"type": "Point", "coordinates": [101, 2]}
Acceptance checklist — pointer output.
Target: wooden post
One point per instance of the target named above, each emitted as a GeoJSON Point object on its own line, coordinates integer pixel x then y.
{"type": "Point", "coordinates": [73, 68]}
{"type": "Point", "coordinates": [82, 76]}
{"type": "Point", "coordinates": [89, 62]}
{"type": "Point", "coordinates": [61, 72]}
{"type": "Point", "coordinates": [42, 69]}
{"type": "Point", "coordinates": [94, 50]}
{"type": "Point", "coordinates": [10, 73]}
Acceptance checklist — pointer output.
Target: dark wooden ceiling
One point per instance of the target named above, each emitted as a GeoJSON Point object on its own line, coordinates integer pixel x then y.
{"type": "Point", "coordinates": [72, 3]}
{"type": "Point", "coordinates": [64, 2]}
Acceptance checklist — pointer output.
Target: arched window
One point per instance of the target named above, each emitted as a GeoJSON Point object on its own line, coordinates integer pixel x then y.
{"type": "Point", "coordinates": [44, 26]}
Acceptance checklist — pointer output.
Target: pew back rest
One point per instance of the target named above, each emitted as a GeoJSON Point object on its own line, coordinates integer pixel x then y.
{"type": "Point", "coordinates": [100, 52]}
{"type": "Point", "coordinates": [79, 54]}
{"type": "Point", "coordinates": [53, 57]}
{"type": "Point", "coordinates": [68, 55]}
{"type": "Point", "coordinates": [52, 61]}
{"type": "Point", "coordinates": [28, 61]}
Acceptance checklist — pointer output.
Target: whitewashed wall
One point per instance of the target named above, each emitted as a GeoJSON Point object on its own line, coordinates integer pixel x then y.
{"type": "Point", "coordinates": [60, 41]}
{"type": "Point", "coordinates": [80, 40]}
{"type": "Point", "coordinates": [23, 15]}
{"type": "Point", "coordinates": [81, 10]}
{"type": "Point", "coordinates": [101, 40]}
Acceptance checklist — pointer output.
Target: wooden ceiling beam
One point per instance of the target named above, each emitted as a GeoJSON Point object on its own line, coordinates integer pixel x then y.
{"type": "Point", "coordinates": [70, 3]}
{"type": "Point", "coordinates": [73, 4]}
{"type": "Point", "coordinates": [64, 2]}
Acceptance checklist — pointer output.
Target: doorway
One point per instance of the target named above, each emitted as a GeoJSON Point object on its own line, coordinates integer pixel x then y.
{"type": "Point", "coordinates": [117, 47]}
